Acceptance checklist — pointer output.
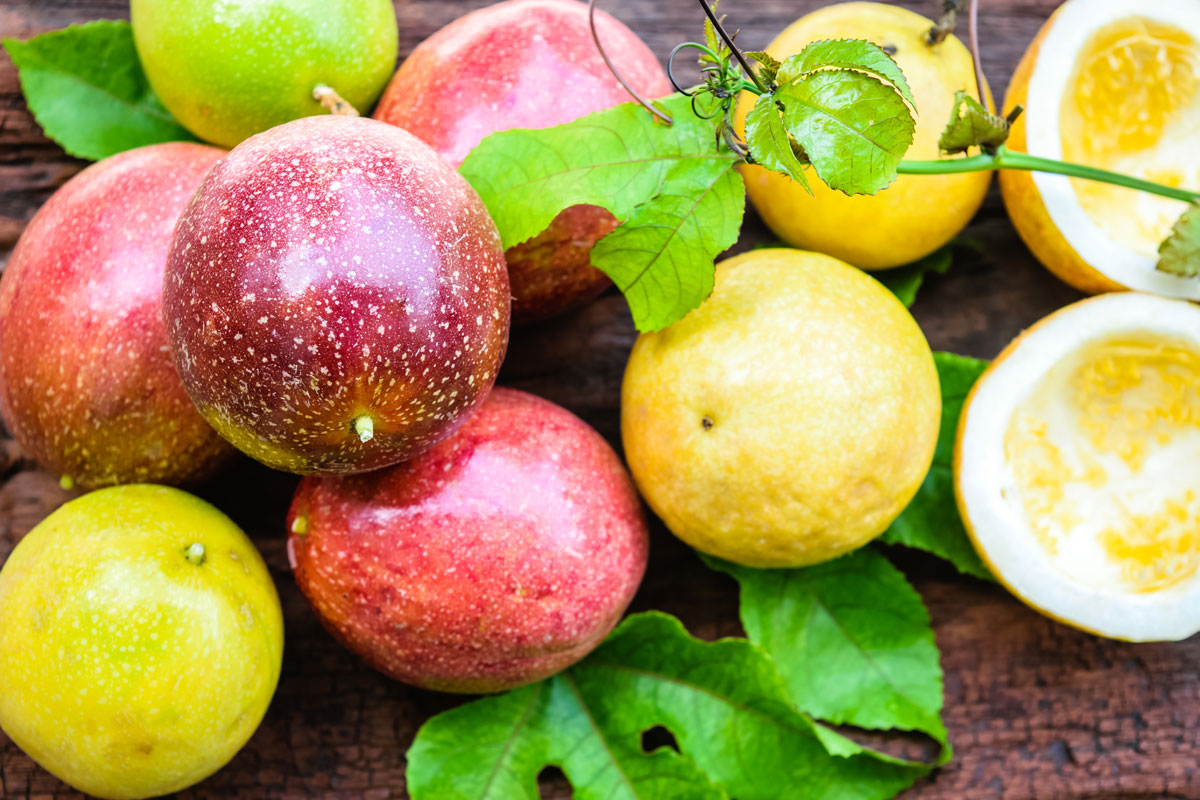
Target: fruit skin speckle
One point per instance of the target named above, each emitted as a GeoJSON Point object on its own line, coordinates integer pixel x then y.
{"type": "Point", "coordinates": [524, 64]}
{"type": "Point", "coordinates": [331, 269]}
{"type": "Point", "coordinates": [87, 384]}
{"type": "Point", "coordinates": [501, 556]}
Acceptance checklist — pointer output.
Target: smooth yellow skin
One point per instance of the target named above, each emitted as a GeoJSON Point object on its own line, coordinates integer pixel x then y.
{"type": "Point", "coordinates": [916, 214]}
{"type": "Point", "coordinates": [1024, 202]}
{"type": "Point", "coordinates": [125, 669]}
{"type": "Point", "coordinates": [789, 419]}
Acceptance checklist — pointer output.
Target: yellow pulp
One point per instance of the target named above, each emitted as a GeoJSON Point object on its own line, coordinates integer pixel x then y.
{"type": "Point", "coordinates": [1104, 454]}
{"type": "Point", "coordinates": [1133, 106]}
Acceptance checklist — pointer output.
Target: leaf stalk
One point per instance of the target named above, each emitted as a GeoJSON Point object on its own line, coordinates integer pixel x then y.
{"type": "Point", "coordinates": [1004, 158]}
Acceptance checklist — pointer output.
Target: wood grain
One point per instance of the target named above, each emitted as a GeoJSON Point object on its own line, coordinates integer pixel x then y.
{"type": "Point", "coordinates": [1035, 710]}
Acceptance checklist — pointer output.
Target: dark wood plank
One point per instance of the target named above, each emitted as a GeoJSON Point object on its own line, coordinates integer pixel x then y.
{"type": "Point", "coordinates": [1035, 709]}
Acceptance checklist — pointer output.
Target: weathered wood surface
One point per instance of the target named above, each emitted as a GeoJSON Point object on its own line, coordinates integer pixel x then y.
{"type": "Point", "coordinates": [1035, 709]}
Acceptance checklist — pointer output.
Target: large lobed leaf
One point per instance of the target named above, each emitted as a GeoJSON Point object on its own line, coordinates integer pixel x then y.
{"type": "Point", "coordinates": [931, 522]}
{"type": "Point", "coordinates": [852, 640]}
{"type": "Point", "coordinates": [723, 701]}
{"type": "Point", "coordinates": [85, 86]}
{"type": "Point", "coordinates": [1179, 254]}
{"type": "Point", "coordinates": [673, 186]}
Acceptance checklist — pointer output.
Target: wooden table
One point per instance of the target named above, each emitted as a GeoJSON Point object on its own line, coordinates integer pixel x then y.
{"type": "Point", "coordinates": [1035, 709]}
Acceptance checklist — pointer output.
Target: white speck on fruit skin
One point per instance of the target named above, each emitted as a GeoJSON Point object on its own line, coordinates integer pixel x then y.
{"type": "Point", "coordinates": [313, 311]}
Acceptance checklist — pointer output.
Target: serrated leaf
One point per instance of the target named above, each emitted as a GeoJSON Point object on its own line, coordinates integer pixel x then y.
{"type": "Point", "coordinates": [768, 65]}
{"type": "Point", "coordinates": [852, 640]}
{"type": "Point", "coordinates": [931, 521]}
{"type": "Point", "coordinates": [856, 54]}
{"type": "Point", "coordinates": [906, 280]}
{"type": "Point", "coordinates": [85, 86]}
{"type": "Point", "coordinates": [724, 703]}
{"type": "Point", "coordinates": [1179, 253]}
{"type": "Point", "coordinates": [673, 187]}
{"type": "Point", "coordinates": [972, 125]}
{"type": "Point", "coordinates": [769, 142]}
{"type": "Point", "coordinates": [617, 159]}
{"type": "Point", "coordinates": [661, 258]}
{"type": "Point", "coordinates": [854, 128]}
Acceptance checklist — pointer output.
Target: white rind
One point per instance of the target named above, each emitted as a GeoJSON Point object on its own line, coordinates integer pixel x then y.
{"type": "Point", "coordinates": [1077, 20]}
{"type": "Point", "coordinates": [999, 531]}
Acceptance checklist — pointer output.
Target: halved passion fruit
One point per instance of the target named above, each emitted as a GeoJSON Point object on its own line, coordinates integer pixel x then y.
{"type": "Point", "coordinates": [1077, 468]}
{"type": "Point", "coordinates": [1113, 84]}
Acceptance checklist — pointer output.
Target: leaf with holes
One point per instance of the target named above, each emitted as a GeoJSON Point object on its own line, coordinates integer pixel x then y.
{"type": "Point", "coordinates": [855, 54]}
{"type": "Point", "coordinates": [854, 128]}
{"type": "Point", "coordinates": [972, 125]}
{"type": "Point", "coordinates": [723, 702]}
{"type": "Point", "coordinates": [931, 522]}
{"type": "Point", "coordinates": [770, 143]}
{"type": "Point", "coordinates": [1179, 254]}
{"type": "Point", "coordinates": [852, 640]}
{"type": "Point", "coordinates": [85, 86]}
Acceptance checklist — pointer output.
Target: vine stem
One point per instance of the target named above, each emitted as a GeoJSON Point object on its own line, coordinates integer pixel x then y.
{"type": "Point", "coordinates": [1004, 158]}
{"type": "Point", "coordinates": [733, 48]}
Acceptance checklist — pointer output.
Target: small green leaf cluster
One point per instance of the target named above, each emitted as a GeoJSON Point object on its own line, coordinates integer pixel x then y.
{"type": "Point", "coordinates": [841, 106]}
{"type": "Point", "coordinates": [85, 86]}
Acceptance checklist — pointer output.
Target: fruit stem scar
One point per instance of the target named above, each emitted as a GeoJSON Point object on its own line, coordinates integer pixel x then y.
{"type": "Point", "coordinates": [332, 102]}
{"type": "Point", "coordinates": [706, 422]}
{"type": "Point", "coordinates": [364, 426]}
{"type": "Point", "coordinates": [195, 553]}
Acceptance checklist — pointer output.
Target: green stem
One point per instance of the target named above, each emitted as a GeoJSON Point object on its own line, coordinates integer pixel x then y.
{"type": "Point", "coordinates": [1008, 159]}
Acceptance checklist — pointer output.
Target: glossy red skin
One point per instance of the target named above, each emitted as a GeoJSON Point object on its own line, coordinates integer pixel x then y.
{"type": "Point", "coordinates": [524, 64]}
{"type": "Point", "coordinates": [87, 385]}
{"type": "Point", "coordinates": [501, 556]}
{"type": "Point", "coordinates": [332, 268]}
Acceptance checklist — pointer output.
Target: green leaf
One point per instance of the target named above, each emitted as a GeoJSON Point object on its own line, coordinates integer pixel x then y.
{"type": "Point", "coordinates": [674, 188]}
{"type": "Point", "coordinates": [931, 522]}
{"type": "Point", "coordinates": [852, 640]}
{"type": "Point", "coordinates": [856, 54]}
{"type": "Point", "coordinates": [906, 280]}
{"type": "Point", "coordinates": [854, 128]}
{"type": "Point", "coordinates": [724, 703]}
{"type": "Point", "coordinates": [1179, 254]}
{"type": "Point", "coordinates": [972, 125]}
{"type": "Point", "coordinates": [662, 257]}
{"type": "Point", "coordinates": [85, 86]}
{"type": "Point", "coordinates": [768, 65]}
{"type": "Point", "coordinates": [770, 143]}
